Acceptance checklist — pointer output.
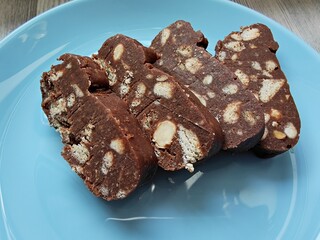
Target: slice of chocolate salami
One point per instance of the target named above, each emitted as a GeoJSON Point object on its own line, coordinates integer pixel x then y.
{"type": "Point", "coordinates": [251, 55]}
{"type": "Point", "coordinates": [183, 55]}
{"type": "Point", "coordinates": [181, 130]}
{"type": "Point", "coordinates": [103, 142]}
{"type": "Point", "coordinates": [178, 142]}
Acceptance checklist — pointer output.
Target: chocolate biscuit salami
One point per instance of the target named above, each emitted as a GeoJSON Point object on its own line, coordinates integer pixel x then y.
{"type": "Point", "coordinates": [182, 53]}
{"type": "Point", "coordinates": [181, 130]}
{"type": "Point", "coordinates": [251, 55]}
{"type": "Point", "coordinates": [104, 144]}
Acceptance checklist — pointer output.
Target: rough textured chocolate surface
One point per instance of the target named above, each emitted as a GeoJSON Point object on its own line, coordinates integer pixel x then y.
{"type": "Point", "coordinates": [182, 54]}
{"type": "Point", "coordinates": [181, 130]}
{"type": "Point", "coordinates": [103, 142]}
{"type": "Point", "coordinates": [251, 55]}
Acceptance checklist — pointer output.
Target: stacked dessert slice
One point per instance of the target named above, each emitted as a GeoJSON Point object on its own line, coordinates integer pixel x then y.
{"type": "Point", "coordinates": [129, 108]}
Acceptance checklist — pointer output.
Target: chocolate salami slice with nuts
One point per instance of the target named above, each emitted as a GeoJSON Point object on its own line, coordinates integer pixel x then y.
{"type": "Point", "coordinates": [182, 54]}
{"type": "Point", "coordinates": [103, 142]}
{"type": "Point", "coordinates": [181, 130]}
{"type": "Point", "coordinates": [251, 55]}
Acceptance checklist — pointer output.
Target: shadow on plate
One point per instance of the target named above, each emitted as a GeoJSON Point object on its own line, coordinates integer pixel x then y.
{"type": "Point", "coordinates": [226, 185]}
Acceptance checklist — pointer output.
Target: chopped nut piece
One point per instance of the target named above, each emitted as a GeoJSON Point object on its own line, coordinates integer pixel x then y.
{"type": "Point", "coordinates": [165, 35]}
{"type": "Point", "coordinates": [117, 145]}
{"type": "Point", "coordinates": [256, 65]}
{"type": "Point", "coordinates": [164, 133]}
{"type": "Point", "coordinates": [290, 130]}
{"type": "Point", "coordinates": [279, 135]}
{"type": "Point", "coordinates": [211, 94]}
{"type": "Point", "coordinates": [234, 57]}
{"type": "Point", "coordinates": [141, 90]}
{"type": "Point", "coordinates": [236, 36]}
{"type": "Point", "coordinates": [162, 78]}
{"type": "Point", "coordinates": [235, 46]}
{"type": "Point", "coordinates": [230, 89]}
{"type": "Point", "coordinates": [271, 66]}
{"type": "Point", "coordinates": [266, 117]}
{"type": "Point", "coordinates": [164, 89]}
{"type": "Point", "coordinates": [275, 113]}
{"type": "Point", "coordinates": [193, 65]}
{"type": "Point", "coordinates": [118, 51]}
{"type": "Point", "coordinates": [149, 76]}
{"type": "Point", "coordinates": [207, 80]}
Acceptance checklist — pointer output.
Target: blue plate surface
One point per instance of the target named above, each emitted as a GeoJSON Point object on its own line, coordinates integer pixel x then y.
{"type": "Point", "coordinates": [228, 197]}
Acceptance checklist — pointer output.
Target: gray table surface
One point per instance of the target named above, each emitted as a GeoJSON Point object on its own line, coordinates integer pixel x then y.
{"type": "Point", "coordinates": [300, 16]}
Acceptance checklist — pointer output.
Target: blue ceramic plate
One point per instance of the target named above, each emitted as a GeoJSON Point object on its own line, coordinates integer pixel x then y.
{"type": "Point", "coordinates": [230, 197]}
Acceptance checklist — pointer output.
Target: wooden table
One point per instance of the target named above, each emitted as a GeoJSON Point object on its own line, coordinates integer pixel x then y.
{"type": "Point", "coordinates": [300, 16]}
